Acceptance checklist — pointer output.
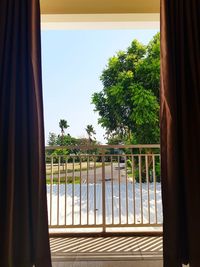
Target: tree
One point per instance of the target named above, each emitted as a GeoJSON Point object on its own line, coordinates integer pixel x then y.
{"type": "Point", "coordinates": [128, 104]}
{"type": "Point", "coordinates": [64, 140]}
{"type": "Point", "coordinates": [63, 125]}
{"type": "Point", "coordinates": [91, 132]}
{"type": "Point", "coordinates": [148, 71]}
{"type": "Point", "coordinates": [52, 139]}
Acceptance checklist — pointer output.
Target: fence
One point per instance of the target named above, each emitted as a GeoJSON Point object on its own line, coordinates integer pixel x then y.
{"type": "Point", "coordinates": [104, 186]}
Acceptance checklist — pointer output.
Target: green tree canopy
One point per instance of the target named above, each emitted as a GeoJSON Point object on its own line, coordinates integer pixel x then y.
{"type": "Point", "coordinates": [90, 132]}
{"type": "Point", "coordinates": [57, 140]}
{"type": "Point", "coordinates": [128, 105]}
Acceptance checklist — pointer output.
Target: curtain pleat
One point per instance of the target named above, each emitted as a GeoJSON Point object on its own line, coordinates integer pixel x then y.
{"type": "Point", "coordinates": [24, 239]}
{"type": "Point", "coordinates": [180, 131]}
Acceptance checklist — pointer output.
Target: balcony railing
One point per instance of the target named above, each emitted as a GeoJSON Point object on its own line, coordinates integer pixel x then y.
{"type": "Point", "coordinates": [104, 187]}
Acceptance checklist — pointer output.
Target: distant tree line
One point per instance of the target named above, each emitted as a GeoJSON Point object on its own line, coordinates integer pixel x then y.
{"type": "Point", "coordinates": [64, 139]}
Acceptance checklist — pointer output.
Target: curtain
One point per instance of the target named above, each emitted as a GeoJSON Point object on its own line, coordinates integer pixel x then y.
{"type": "Point", "coordinates": [180, 131]}
{"type": "Point", "coordinates": [24, 240]}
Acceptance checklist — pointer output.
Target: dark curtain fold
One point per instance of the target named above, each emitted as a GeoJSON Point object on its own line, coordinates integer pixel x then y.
{"type": "Point", "coordinates": [180, 131]}
{"type": "Point", "coordinates": [24, 240]}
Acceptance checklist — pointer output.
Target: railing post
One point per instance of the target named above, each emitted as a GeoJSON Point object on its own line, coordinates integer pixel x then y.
{"type": "Point", "coordinates": [103, 192]}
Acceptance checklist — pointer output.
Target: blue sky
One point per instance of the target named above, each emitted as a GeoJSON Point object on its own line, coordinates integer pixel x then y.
{"type": "Point", "coordinates": [72, 62]}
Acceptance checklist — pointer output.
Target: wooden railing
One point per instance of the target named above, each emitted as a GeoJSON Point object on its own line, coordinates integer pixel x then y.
{"type": "Point", "coordinates": [104, 187]}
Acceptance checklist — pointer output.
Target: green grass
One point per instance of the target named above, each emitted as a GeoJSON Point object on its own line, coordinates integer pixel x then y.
{"type": "Point", "coordinates": [76, 169]}
{"type": "Point", "coordinates": [62, 180]}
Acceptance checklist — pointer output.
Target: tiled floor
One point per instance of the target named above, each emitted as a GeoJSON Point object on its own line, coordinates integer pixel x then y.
{"type": "Point", "coordinates": [107, 251]}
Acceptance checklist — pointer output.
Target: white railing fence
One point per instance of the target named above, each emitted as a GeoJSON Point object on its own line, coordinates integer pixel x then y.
{"type": "Point", "coordinates": [104, 186]}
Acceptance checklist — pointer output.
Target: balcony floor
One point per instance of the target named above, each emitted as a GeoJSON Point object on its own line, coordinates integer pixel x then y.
{"type": "Point", "coordinates": [116, 251]}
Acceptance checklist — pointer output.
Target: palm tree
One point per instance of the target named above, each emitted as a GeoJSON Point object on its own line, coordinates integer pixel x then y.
{"type": "Point", "coordinates": [63, 125]}
{"type": "Point", "coordinates": [90, 131]}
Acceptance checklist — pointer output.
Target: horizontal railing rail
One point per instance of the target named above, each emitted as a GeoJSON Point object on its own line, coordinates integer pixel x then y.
{"type": "Point", "coordinates": [89, 147]}
{"type": "Point", "coordinates": [98, 187]}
